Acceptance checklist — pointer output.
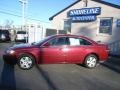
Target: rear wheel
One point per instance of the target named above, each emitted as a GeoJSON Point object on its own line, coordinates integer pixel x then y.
{"type": "Point", "coordinates": [26, 61]}
{"type": "Point", "coordinates": [91, 61]}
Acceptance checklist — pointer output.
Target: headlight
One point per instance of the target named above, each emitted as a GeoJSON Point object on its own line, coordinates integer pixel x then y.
{"type": "Point", "coordinates": [10, 51]}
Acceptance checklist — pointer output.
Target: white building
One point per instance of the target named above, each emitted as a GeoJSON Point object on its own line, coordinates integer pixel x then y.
{"type": "Point", "coordinates": [96, 19]}
{"type": "Point", "coordinates": [36, 32]}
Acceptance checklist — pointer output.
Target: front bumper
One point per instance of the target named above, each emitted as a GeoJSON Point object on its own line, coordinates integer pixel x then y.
{"type": "Point", "coordinates": [10, 59]}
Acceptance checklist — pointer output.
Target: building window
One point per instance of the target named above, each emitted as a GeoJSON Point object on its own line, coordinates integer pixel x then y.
{"type": "Point", "coordinates": [118, 22]}
{"type": "Point", "coordinates": [105, 26]}
{"type": "Point", "coordinates": [67, 25]}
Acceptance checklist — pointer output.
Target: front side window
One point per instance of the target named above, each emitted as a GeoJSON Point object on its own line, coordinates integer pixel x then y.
{"type": "Point", "coordinates": [57, 41]}
{"type": "Point", "coordinates": [105, 26]}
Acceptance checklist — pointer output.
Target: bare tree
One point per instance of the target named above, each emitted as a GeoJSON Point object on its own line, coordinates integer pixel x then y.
{"type": "Point", "coordinates": [8, 23]}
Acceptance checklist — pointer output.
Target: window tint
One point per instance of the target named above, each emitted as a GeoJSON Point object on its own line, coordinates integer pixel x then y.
{"type": "Point", "coordinates": [84, 42]}
{"type": "Point", "coordinates": [58, 41]}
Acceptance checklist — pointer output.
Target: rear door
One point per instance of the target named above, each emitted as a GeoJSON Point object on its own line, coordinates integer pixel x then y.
{"type": "Point", "coordinates": [77, 49]}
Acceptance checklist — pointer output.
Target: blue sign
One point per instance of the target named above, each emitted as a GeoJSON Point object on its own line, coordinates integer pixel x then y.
{"type": "Point", "coordinates": [84, 14]}
{"type": "Point", "coordinates": [118, 22]}
{"type": "Point", "coordinates": [83, 18]}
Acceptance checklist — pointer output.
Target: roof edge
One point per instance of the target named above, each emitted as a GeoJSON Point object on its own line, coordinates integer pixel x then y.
{"type": "Point", "coordinates": [51, 18]}
{"type": "Point", "coordinates": [107, 3]}
{"type": "Point", "coordinates": [99, 1]}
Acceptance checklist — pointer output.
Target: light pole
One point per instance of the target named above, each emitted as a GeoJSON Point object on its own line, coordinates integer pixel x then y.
{"type": "Point", "coordinates": [24, 2]}
{"type": "Point", "coordinates": [24, 16]}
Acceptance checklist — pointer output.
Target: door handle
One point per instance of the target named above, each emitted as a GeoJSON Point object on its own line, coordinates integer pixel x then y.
{"type": "Point", "coordinates": [64, 49]}
{"type": "Point", "coordinates": [60, 49]}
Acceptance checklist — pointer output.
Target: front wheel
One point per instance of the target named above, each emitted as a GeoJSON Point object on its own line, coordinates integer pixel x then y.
{"type": "Point", "coordinates": [25, 62]}
{"type": "Point", "coordinates": [91, 61]}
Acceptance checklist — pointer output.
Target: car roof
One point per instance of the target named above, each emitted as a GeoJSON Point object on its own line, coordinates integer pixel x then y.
{"type": "Point", "coordinates": [69, 35]}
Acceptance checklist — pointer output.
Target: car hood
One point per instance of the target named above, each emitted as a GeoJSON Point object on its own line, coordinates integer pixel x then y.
{"type": "Point", "coordinates": [18, 46]}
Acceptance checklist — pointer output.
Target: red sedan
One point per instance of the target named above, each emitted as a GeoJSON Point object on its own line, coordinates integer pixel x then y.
{"type": "Point", "coordinates": [58, 49]}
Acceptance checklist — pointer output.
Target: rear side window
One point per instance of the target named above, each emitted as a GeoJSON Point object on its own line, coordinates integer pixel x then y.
{"type": "Point", "coordinates": [77, 41]}
{"type": "Point", "coordinates": [84, 42]}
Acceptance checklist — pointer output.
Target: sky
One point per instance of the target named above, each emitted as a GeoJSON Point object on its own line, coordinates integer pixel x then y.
{"type": "Point", "coordinates": [39, 10]}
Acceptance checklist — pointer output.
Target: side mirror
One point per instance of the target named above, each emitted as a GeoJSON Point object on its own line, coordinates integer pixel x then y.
{"type": "Point", "coordinates": [32, 43]}
{"type": "Point", "coordinates": [47, 45]}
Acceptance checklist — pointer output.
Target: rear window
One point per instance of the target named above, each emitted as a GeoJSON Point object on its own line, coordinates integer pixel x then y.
{"type": "Point", "coordinates": [21, 32]}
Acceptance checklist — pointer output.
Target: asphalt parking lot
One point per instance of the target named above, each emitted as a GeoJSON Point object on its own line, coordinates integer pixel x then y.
{"type": "Point", "coordinates": [106, 76]}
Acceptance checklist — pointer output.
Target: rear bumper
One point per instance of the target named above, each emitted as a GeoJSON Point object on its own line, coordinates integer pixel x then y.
{"type": "Point", "coordinates": [6, 39]}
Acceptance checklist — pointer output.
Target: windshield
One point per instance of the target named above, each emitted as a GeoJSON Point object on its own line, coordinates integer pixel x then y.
{"type": "Point", "coordinates": [41, 41]}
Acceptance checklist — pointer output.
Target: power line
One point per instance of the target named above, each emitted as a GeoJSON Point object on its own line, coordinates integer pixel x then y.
{"type": "Point", "coordinates": [10, 14]}
{"type": "Point", "coordinates": [8, 10]}
{"type": "Point", "coordinates": [38, 20]}
{"type": "Point", "coordinates": [3, 12]}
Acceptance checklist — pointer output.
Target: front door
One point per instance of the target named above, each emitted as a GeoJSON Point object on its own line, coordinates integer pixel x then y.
{"type": "Point", "coordinates": [53, 51]}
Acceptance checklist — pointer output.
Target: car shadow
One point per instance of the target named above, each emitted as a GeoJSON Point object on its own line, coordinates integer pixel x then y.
{"type": "Point", "coordinates": [46, 78]}
{"type": "Point", "coordinates": [8, 81]}
{"type": "Point", "coordinates": [112, 64]}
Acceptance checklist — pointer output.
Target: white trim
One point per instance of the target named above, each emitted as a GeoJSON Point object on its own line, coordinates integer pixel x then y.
{"type": "Point", "coordinates": [98, 25]}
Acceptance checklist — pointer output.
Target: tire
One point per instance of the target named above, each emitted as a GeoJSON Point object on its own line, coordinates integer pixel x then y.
{"type": "Point", "coordinates": [26, 61]}
{"type": "Point", "coordinates": [91, 61]}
